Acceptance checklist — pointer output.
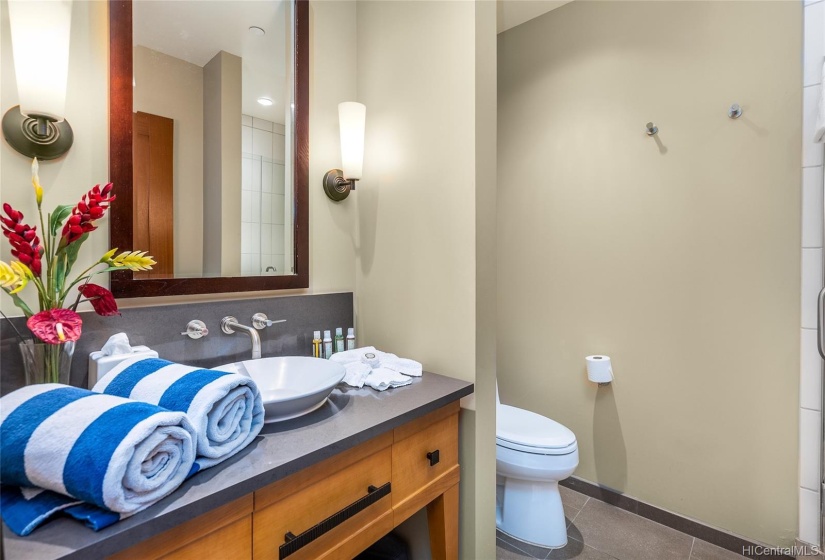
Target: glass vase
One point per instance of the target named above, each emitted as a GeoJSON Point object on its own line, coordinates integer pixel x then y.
{"type": "Point", "coordinates": [47, 363]}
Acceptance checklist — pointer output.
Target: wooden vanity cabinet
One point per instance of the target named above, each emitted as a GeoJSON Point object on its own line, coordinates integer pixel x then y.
{"type": "Point", "coordinates": [337, 508]}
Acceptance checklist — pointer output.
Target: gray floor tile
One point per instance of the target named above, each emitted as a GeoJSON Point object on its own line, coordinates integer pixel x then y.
{"type": "Point", "coordinates": [532, 550]}
{"type": "Point", "coordinates": [705, 551]}
{"type": "Point", "coordinates": [506, 551]}
{"type": "Point", "coordinates": [627, 536]}
{"type": "Point", "coordinates": [572, 501]}
{"type": "Point", "coordinates": [578, 551]}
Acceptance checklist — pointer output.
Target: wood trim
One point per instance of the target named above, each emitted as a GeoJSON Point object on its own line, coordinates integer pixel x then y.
{"type": "Point", "coordinates": [187, 533]}
{"type": "Point", "coordinates": [307, 477]}
{"type": "Point", "coordinates": [442, 518]}
{"type": "Point", "coordinates": [120, 169]}
{"type": "Point", "coordinates": [403, 510]}
{"type": "Point", "coordinates": [415, 426]}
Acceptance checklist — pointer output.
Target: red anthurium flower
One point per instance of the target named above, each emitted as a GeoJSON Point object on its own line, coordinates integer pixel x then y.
{"type": "Point", "coordinates": [92, 206]}
{"type": "Point", "coordinates": [101, 299]}
{"type": "Point", "coordinates": [23, 239]}
{"type": "Point", "coordinates": [55, 326]}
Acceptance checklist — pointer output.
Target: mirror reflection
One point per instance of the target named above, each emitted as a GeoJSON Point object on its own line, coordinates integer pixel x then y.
{"type": "Point", "coordinates": [213, 137]}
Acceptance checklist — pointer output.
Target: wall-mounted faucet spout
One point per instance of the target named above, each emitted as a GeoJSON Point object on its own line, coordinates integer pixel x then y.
{"type": "Point", "coordinates": [228, 326]}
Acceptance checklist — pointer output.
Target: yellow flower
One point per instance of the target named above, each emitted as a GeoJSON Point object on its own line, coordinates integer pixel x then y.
{"type": "Point", "coordinates": [14, 277]}
{"type": "Point", "coordinates": [38, 190]}
{"type": "Point", "coordinates": [133, 260]}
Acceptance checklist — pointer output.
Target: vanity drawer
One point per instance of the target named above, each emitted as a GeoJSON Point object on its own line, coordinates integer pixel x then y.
{"type": "Point", "coordinates": [336, 511]}
{"type": "Point", "coordinates": [424, 460]}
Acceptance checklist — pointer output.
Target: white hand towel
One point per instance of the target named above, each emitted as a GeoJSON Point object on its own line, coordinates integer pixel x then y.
{"type": "Point", "coordinates": [402, 365]}
{"type": "Point", "coordinates": [352, 355]}
{"type": "Point", "coordinates": [356, 374]}
{"type": "Point", "coordinates": [225, 408]}
{"type": "Point", "coordinates": [383, 378]}
{"type": "Point", "coordinates": [819, 131]}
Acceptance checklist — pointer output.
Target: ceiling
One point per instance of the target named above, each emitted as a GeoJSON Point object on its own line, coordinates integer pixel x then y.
{"type": "Point", "coordinates": [515, 12]}
{"type": "Point", "coordinates": [196, 30]}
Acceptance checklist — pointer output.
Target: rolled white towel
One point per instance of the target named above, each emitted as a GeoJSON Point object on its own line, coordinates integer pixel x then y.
{"type": "Point", "coordinates": [354, 355]}
{"type": "Point", "coordinates": [383, 378]}
{"type": "Point", "coordinates": [357, 373]}
{"type": "Point", "coordinates": [225, 408]}
{"type": "Point", "coordinates": [402, 365]}
{"type": "Point", "coordinates": [104, 450]}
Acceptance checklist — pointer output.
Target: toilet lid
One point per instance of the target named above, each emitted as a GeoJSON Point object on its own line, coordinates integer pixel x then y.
{"type": "Point", "coordinates": [523, 427]}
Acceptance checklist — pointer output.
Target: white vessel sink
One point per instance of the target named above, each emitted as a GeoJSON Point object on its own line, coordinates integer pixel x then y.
{"type": "Point", "coordinates": [290, 386]}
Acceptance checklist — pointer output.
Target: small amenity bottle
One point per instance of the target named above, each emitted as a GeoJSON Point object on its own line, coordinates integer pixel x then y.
{"type": "Point", "coordinates": [350, 338]}
{"type": "Point", "coordinates": [316, 344]}
{"type": "Point", "coordinates": [339, 340]}
{"type": "Point", "coordinates": [327, 345]}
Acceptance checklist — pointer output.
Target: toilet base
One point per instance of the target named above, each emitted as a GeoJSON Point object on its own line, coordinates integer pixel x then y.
{"type": "Point", "coordinates": [532, 512]}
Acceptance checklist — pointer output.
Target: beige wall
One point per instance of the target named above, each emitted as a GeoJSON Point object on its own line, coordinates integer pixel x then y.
{"type": "Point", "coordinates": [173, 88]}
{"type": "Point", "coordinates": [416, 291]}
{"type": "Point", "coordinates": [332, 251]}
{"type": "Point", "coordinates": [676, 255]}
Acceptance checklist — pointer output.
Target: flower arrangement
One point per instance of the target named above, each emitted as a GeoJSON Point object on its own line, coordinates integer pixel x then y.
{"type": "Point", "coordinates": [48, 266]}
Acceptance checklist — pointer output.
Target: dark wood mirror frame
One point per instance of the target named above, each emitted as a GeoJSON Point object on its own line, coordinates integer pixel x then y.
{"type": "Point", "coordinates": [120, 168]}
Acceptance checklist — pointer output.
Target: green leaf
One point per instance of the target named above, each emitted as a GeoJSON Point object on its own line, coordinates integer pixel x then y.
{"type": "Point", "coordinates": [57, 217]}
{"type": "Point", "coordinates": [21, 305]}
{"type": "Point", "coordinates": [60, 272]}
{"type": "Point", "coordinates": [71, 252]}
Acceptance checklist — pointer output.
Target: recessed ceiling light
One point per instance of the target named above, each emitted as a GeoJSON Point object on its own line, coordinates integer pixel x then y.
{"type": "Point", "coordinates": [257, 31]}
{"type": "Point", "coordinates": [265, 101]}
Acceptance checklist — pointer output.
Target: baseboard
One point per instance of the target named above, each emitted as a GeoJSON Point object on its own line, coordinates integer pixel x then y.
{"type": "Point", "coordinates": [808, 551]}
{"type": "Point", "coordinates": [719, 537]}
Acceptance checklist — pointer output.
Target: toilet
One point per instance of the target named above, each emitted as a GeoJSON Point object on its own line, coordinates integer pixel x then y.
{"type": "Point", "coordinates": [533, 453]}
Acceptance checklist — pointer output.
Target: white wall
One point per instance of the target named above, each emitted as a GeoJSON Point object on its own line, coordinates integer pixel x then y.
{"type": "Point", "coordinates": [416, 276]}
{"type": "Point", "coordinates": [677, 255]}
{"type": "Point", "coordinates": [810, 387]}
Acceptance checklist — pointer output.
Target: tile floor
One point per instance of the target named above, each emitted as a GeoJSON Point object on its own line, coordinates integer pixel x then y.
{"type": "Point", "coordinates": [599, 531]}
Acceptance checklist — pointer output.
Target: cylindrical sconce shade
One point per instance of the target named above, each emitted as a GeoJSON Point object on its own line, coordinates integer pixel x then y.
{"type": "Point", "coordinates": [40, 42]}
{"type": "Point", "coordinates": [352, 118]}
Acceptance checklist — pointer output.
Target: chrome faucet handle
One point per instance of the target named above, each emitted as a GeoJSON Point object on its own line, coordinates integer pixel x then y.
{"type": "Point", "coordinates": [195, 329]}
{"type": "Point", "coordinates": [261, 321]}
{"type": "Point", "coordinates": [226, 322]}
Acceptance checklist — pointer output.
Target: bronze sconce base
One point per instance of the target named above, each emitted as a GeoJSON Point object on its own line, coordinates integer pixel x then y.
{"type": "Point", "coordinates": [36, 135]}
{"type": "Point", "coordinates": [336, 187]}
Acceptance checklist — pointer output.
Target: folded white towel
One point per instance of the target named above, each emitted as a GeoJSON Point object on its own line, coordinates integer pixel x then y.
{"type": "Point", "coordinates": [357, 373]}
{"type": "Point", "coordinates": [401, 365]}
{"type": "Point", "coordinates": [104, 450]}
{"type": "Point", "coordinates": [225, 408]}
{"type": "Point", "coordinates": [354, 355]}
{"type": "Point", "coordinates": [383, 378]}
{"type": "Point", "coordinates": [819, 129]}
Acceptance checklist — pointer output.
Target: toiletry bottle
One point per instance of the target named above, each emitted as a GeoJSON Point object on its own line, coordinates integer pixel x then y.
{"type": "Point", "coordinates": [327, 345]}
{"type": "Point", "coordinates": [339, 339]}
{"type": "Point", "coordinates": [350, 338]}
{"type": "Point", "coordinates": [316, 344]}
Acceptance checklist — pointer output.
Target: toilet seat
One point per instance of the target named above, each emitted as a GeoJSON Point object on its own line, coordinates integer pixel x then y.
{"type": "Point", "coordinates": [522, 430]}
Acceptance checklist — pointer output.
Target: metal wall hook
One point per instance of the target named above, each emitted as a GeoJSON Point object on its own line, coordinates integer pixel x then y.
{"type": "Point", "coordinates": [651, 129]}
{"type": "Point", "coordinates": [735, 111]}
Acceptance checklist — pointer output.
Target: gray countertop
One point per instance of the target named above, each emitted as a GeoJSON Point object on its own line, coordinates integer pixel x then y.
{"type": "Point", "coordinates": [349, 418]}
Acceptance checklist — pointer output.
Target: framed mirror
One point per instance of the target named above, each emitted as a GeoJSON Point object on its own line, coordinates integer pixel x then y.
{"type": "Point", "coordinates": [209, 144]}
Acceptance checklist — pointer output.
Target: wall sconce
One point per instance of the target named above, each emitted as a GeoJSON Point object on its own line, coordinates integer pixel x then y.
{"type": "Point", "coordinates": [40, 33]}
{"type": "Point", "coordinates": [338, 183]}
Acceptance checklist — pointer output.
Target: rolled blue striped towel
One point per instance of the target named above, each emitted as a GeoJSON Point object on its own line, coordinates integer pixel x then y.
{"type": "Point", "coordinates": [225, 408]}
{"type": "Point", "coordinates": [98, 457]}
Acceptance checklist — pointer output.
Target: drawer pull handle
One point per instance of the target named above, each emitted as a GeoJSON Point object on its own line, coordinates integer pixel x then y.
{"type": "Point", "coordinates": [293, 543]}
{"type": "Point", "coordinates": [434, 457]}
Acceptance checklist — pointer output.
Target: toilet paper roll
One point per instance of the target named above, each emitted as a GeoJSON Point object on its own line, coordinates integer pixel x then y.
{"type": "Point", "coordinates": [599, 369]}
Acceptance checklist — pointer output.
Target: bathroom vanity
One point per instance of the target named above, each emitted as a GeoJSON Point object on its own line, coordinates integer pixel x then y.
{"type": "Point", "coordinates": [326, 485]}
